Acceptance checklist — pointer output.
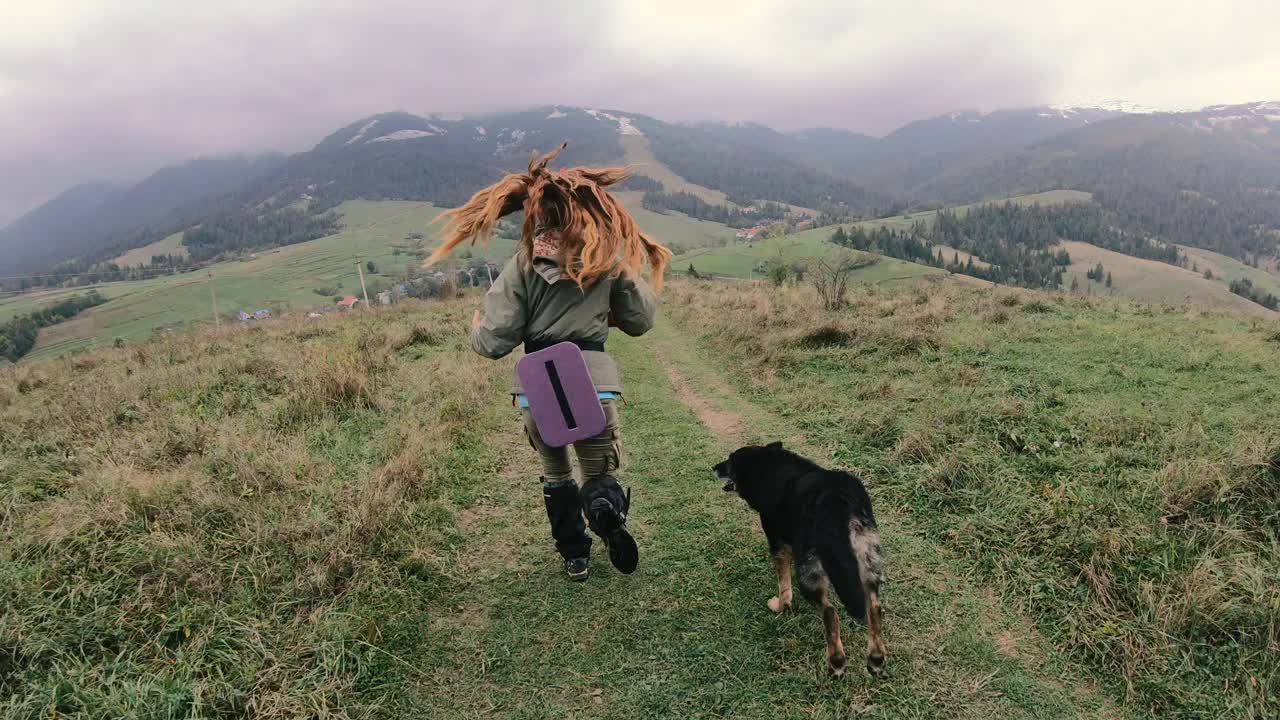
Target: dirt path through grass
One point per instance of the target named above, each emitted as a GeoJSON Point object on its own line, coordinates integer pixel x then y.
{"type": "Point", "coordinates": [689, 634]}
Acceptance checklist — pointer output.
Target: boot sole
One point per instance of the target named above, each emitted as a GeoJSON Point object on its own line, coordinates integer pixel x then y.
{"type": "Point", "coordinates": [623, 551]}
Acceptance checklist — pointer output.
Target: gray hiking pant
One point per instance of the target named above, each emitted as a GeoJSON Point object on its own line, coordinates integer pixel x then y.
{"type": "Point", "coordinates": [596, 456]}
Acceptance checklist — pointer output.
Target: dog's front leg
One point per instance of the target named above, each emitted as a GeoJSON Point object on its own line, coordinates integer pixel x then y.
{"type": "Point", "coordinates": [782, 566]}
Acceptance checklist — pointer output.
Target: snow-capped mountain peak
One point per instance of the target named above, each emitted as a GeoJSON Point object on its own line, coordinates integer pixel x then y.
{"type": "Point", "coordinates": [1117, 105]}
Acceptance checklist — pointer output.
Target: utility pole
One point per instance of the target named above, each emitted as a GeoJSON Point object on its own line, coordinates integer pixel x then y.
{"type": "Point", "coordinates": [213, 300]}
{"type": "Point", "coordinates": [363, 289]}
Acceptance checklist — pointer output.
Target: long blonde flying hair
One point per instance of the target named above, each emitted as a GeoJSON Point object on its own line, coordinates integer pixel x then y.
{"type": "Point", "coordinates": [598, 236]}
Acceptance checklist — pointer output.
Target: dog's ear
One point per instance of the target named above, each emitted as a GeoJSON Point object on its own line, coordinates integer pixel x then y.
{"type": "Point", "coordinates": [775, 445]}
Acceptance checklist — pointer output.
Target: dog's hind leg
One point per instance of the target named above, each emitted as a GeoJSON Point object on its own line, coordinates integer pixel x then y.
{"type": "Point", "coordinates": [836, 659]}
{"type": "Point", "coordinates": [875, 636]}
{"type": "Point", "coordinates": [866, 547]}
{"type": "Point", "coordinates": [782, 566]}
{"type": "Point", "coordinates": [817, 589]}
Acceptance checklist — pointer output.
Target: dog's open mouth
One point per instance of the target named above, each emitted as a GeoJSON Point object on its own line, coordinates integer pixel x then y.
{"type": "Point", "coordinates": [729, 486]}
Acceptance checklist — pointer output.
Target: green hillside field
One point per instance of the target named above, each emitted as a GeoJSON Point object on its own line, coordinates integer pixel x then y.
{"type": "Point", "coordinates": [171, 245]}
{"type": "Point", "coordinates": [280, 279]}
{"type": "Point", "coordinates": [738, 259]}
{"type": "Point", "coordinates": [342, 518]}
{"type": "Point", "coordinates": [1225, 269]}
{"type": "Point", "coordinates": [1109, 468]}
{"type": "Point", "coordinates": [289, 278]}
{"type": "Point", "coordinates": [1153, 281]}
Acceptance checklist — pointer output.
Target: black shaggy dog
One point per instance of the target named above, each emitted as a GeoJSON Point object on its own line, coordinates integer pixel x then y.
{"type": "Point", "coordinates": [819, 520]}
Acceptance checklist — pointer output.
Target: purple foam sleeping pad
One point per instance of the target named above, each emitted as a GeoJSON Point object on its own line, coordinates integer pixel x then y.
{"type": "Point", "coordinates": [562, 398]}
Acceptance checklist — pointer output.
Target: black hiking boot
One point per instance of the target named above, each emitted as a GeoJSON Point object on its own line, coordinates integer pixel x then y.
{"type": "Point", "coordinates": [564, 512]}
{"type": "Point", "coordinates": [607, 508]}
{"type": "Point", "coordinates": [578, 569]}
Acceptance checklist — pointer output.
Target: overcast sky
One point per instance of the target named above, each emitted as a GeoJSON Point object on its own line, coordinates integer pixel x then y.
{"type": "Point", "coordinates": [111, 89]}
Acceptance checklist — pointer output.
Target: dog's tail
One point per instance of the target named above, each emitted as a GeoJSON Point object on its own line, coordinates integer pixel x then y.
{"type": "Point", "coordinates": [850, 554]}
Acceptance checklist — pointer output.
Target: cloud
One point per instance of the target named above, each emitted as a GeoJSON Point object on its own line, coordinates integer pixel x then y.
{"type": "Point", "coordinates": [112, 90]}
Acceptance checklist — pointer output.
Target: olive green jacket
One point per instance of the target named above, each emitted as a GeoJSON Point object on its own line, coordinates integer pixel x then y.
{"type": "Point", "coordinates": [536, 304]}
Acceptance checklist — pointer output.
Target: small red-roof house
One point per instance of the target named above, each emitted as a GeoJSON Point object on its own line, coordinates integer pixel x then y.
{"type": "Point", "coordinates": [348, 302]}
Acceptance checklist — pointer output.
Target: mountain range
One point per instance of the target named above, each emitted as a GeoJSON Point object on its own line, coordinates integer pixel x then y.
{"type": "Point", "coordinates": [1209, 177]}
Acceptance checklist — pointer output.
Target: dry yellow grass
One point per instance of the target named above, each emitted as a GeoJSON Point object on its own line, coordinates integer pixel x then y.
{"type": "Point", "coordinates": [1152, 281]}
{"type": "Point", "coordinates": [233, 523]}
{"type": "Point", "coordinates": [171, 245]}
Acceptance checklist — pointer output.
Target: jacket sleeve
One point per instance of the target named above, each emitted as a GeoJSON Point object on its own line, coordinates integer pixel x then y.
{"type": "Point", "coordinates": [634, 305]}
{"type": "Point", "coordinates": [505, 307]}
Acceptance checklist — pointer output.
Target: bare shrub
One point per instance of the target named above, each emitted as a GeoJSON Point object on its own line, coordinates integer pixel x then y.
{"type": "Point", "coordinates": [830, 275]}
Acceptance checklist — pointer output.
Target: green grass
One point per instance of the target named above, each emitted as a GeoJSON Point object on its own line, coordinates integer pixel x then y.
{"type": "Point", "coordinates": [676, 230]}
{"type": "Point", "coordinates": [281, 279]}
{"type": "Point", "coordinates": [1110, 468]}
{"type": "Point", "coordinates": [13, 305]}
{"type": "Point", "coordinates": [341, 519]}
{"type": "Point", "coordinates": [1225, 269]}
{"type": "Point", "coordinates": [740, 260]}
{"type": "Point", "coordinates": [288, 278]}
{"type": "Point", "coordinates": [236, 523]}
{"type": "Point", "coordinates": [689, 635]}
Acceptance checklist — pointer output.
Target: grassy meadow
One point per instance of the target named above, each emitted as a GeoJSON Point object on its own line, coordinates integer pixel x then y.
{"type": "Point", "coordinates": [1109, 469]}
{"type": "Point", "coordinates": [280, 279]}
{"type": "Point", "coordinates": [171, 245]}
{"type": "Point", "coordinates": [339, 518]}
{"type": "Point", "coordinates": [235, 523]}
{"type": "Point", "coordinates": [1225, 269]}
{"type": "Point", "coordinates": [739, 259]}
{"type": "Point", "coordinates": [1154, 281]}
{"type": "Point", "coordinates": [291, 277]}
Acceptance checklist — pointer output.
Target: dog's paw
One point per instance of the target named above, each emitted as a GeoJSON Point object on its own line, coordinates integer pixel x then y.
{"type": "Point", "coordinates": [837, 664]}
{"type": "Point", "coordinates": [875, 665]}
{"type": "Point", "coordinates": [778, 605]}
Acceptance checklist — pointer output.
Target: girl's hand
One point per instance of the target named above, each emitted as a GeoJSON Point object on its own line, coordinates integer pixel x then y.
{"type": "Point", "coordinates": [476, 320]}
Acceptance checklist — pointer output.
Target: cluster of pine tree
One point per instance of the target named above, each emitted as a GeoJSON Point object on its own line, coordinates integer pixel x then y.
{"type": "Point", "coordinates": [1244, 287]}
{"type": "Point", "coordinates": [82, 272]}
{"type": "Point", "coordinates": [1097, 273]}
{"type": "Point", "coordinates": [642, 183]}
{"type": "Point", "coordinates": [18, 336]}
{"type": "Point", "coordinates": [1229, 221]}
{"type": "Point", "coordinates": [1091, 223]}
{"type": "Point", "coordinates": [233, 232]}
{"type": "Point", "coordinates": [1211, 192]}
{"type": "Point", "coordinates": [697, 208]}
{"type": "Point", "coordinates": [1014, 243]}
